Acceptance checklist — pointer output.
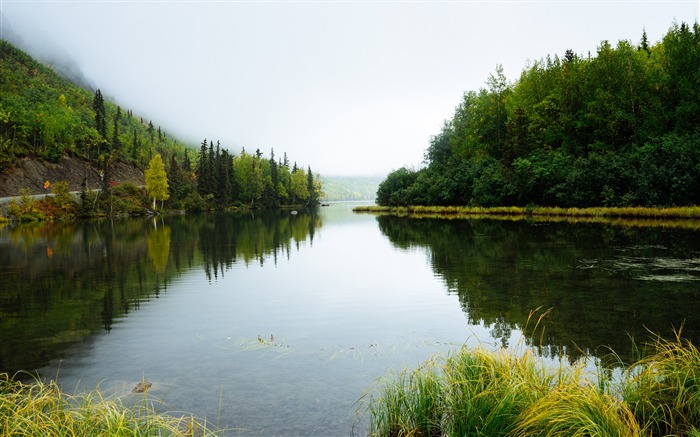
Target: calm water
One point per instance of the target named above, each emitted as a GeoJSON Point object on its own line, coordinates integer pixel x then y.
{"type": "Point", "coordinates": [276, 324]}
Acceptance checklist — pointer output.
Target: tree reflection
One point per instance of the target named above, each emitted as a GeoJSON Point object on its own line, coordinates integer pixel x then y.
{"type": "Point", "coordinates": [159, 246]}
{"type": "Point", "coordinates": [592, 276]}
{"type": "Point", "coordinates": [99, 271]}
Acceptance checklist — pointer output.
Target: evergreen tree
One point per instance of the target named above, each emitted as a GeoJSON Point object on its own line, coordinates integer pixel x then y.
{"type": "Point", "coordinates": [186, 164]}
{"type": "Point", "coordinates": [135, 146]}
{"type": "Point", "coordinates": [644, 45]}
{"type": "Point", "coordinates": [116, 143]}
{"type": "Point", "coordinates": [211, 165]}
{"type": "Point", "coordinates": [176, 180]}
{"type": "Point", "coordinates": [203, 170]}
{"type": "Point", "coordinates": [311, 187]}
{"type": "Point", "coordinates": [98, 105]}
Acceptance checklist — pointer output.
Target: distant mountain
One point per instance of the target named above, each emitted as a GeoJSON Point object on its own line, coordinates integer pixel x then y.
{"type": "Point", "coordinates": [337, 188]}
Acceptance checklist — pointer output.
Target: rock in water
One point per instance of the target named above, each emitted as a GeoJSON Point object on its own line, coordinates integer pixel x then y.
{"type": "Point", "coordinates": [142, 387]}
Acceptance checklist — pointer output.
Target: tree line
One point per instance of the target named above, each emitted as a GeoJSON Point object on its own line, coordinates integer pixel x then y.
{"type": "Point", "coordinates": [618, 128]}
{"type": "Point", "coordinates": [46, 117]}
{"type": "Point", "coordinates": [220, 179]}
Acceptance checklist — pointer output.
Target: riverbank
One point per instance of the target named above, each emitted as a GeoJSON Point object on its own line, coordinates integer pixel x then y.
{"type": "Point", "coordinates": [479, 392]}
{"type": "Point", "coordinates": [39, 408]}
{"type": "Point", "coordinates": [686, 217]}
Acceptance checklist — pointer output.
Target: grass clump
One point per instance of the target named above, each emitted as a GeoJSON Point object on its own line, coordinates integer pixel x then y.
{"type": "Point", "coordinates": [663, 391]}
{"type": "Point", "coordinates": [478, 392]}
{"type": "Point", "coordinates": [41, 409]}
{"type": "Point", "coordinates": [577, 407]}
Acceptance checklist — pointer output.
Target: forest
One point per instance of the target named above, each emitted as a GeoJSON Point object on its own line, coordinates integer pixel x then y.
{"type": "Point", "coordinates": [44, 116]}
{"type": "Point", "coordinates": [620, 127]}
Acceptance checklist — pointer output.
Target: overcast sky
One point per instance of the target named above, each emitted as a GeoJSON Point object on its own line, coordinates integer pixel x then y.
{"type": "Point", "coordinates": [347, 87]}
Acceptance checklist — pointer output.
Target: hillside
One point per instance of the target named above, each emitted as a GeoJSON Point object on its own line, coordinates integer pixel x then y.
{"type": "Point", "coordinates": [52, 130]}
{"type": "Point", "coordinates": [338, 188]}
{"type": "Point", "coordinates": [48, 124]}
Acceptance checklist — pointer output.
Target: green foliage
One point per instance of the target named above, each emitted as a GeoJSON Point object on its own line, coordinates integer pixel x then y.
{"type": "Point", "coordinates": [616, 129]}
{"type": "Point", "coordinates": [61, 205]}
{"type": "Point", "coordinates": [393, 190]}
{"type": "Point", "coordinates": [42, 115]}
{"type": "Point", "coordinates": [157, 180]}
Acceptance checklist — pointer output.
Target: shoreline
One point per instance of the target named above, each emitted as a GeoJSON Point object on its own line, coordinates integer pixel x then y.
{"type": "Point", "coordinates": [678, 217]}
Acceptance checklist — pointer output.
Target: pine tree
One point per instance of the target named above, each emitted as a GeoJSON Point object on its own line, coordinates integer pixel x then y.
{"type": "Point", "coordinates": [203, 169]}
{"type": "Point", "coordinates": [98, 105]}
{"type": "Point", "coordinates": [176, 179]}
{"type": "Point", "coordinates": [310, 186]}
{"type": "Point", "coordinates": [116, 143]}
{"type": "Point", "coordinates": [645, 42]}
{"type": "Point", "coordinates": [211, 165]}
{"type": "Point", "coordinates": [186, 164]}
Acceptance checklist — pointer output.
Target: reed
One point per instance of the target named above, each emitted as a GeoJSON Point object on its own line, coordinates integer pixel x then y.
{"type": "Point", "coordinates": [673, 217]}
{"type": "Point", "coordinates": [486, 392]}
{"type": "Point", "coordinates": [471, 392]}
{"type": "Point", "coordinates": [504, 393]}
{"type": "Point", "coordinates": [410, 404]}
{"type": "Point", "coordinates": [41, 409]}
{"type": "Point", "coordinates": [663, 390]}
{"type": "Point", "coordinates": [577, 406]}
{"type": "Point", "coordinates": [687, 212]}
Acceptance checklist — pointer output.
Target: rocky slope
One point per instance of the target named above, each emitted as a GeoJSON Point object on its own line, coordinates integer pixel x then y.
{"type": "Point", "coordinates": [30, 174]}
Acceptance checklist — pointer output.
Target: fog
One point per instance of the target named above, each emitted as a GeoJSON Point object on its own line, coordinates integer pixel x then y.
{"type": "Point", "coordinates": [348, 88]}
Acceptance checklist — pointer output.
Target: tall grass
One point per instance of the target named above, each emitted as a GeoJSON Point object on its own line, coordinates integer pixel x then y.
{"type": "Point", "coordinates": [502, 393]}
{"type": "Point", "coordinates": [676, 217]}
{"type": "Point", "coordinates": [686, 212]}
{"type": "Point", "coordinates": [41, 409]}
{"type": "Point", "coordinates": [576, 406]}
{"type": "Point", "coordinates": [664, 390]}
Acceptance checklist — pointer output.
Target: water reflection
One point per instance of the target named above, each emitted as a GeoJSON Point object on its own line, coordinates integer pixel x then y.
{"type": "Point", "coordinates": [159, 245]}
{"type": "Point", "coordinates": [605, 285]}
{"type": "Point", "coordinates": [61, 282]}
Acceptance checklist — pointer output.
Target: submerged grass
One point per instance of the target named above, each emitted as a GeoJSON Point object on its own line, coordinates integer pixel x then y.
{"type": "Point", "coordinates": [42, 409]}
{"type": "Point", "coordinates": [484, 393]}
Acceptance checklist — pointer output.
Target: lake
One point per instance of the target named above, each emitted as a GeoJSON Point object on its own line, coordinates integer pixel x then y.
{"type": "Point", "coordinates": [275, 323]}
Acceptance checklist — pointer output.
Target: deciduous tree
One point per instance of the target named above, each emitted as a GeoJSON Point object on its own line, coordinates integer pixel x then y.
{"type": "Point", "coordinates": [157, 180]}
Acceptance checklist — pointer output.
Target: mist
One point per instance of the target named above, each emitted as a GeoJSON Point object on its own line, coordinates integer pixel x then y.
{"type": "Point", "coordinates": [347, 88]}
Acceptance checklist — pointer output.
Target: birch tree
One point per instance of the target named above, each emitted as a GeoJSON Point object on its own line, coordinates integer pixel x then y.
{"type": "Point", "coordinates": [157, 180]}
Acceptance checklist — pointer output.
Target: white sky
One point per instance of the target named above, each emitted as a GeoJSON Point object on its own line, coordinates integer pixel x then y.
{"type": "Point", "coordinates": [347, 87]}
